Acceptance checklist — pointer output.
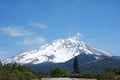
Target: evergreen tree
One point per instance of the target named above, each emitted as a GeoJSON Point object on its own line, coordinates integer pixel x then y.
{"type": "Point", "coordinates": [14, 66]}
{"type": "Point", "coordinates": [75, 65]}
{"type": "Point", "coordinates": [7, 67]}
{"type": "Point", "coordinates": [1, 66]}
{"type": "Point", "coordinates": [23, 68]}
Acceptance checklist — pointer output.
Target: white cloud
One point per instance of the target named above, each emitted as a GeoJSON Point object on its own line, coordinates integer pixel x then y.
{"type": "Point", "coordinates": [77, 36]}
{"type": "Point", "coordinates": [15, 31]}
{"type": "Point", "coordinates": [39, 25]}
{"type": "Point", "coordinates": [33, 41]}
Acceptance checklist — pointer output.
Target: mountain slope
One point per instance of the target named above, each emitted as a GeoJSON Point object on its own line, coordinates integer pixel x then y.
{"type": "Point", "coordinates": [87, 63]}
{"type": "Point", "coordinates": [59, 51]}
{"type": "Point", "coordinates": [100, 65]}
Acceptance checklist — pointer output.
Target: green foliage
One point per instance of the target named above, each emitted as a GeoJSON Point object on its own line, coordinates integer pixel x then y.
{"type": "Point", "coordinates": [21, 72]}
{"type": "Point", "coordinates": [115, 70]}
{"type": "Point", "coordinates": [14, 66]}
{"type": "Point", "coordinates": [58, 71]}
{"type": "Point", "coordinates": [14, 76]}
{"type": "Point", "coordinates": [15, 72]}
{"type": "Point", "coordinates": [106, 76]}
{"type": "Point", "coordinates": [7, 67]}
{"type": "Point", "coordinates": [1, 66]}
{"type": "Point", "coordinates": [23, 68]}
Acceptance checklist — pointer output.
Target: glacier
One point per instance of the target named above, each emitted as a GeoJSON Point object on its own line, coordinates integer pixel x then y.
{"type": "Point", "coordinates": [59, 51]}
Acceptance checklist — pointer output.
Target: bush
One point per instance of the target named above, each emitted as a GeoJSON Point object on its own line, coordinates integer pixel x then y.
{"type": "Point", "coordinates": [106, 76]}
{"type": "Point", "coordinates": [58, 72]}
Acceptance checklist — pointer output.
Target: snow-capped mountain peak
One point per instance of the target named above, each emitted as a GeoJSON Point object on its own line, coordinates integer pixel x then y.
{"type": "Point", "coordinates": [58, 51]}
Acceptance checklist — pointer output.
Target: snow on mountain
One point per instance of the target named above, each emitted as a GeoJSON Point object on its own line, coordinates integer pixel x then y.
{"type": "Point", "coordinates": [58, 51]}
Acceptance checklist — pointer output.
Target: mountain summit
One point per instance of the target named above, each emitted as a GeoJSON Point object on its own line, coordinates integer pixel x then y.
{"type": "Point", "coordinates": [59, 51]}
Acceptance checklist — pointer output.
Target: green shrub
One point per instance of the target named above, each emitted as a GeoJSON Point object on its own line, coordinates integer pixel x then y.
{"type": "Point", "coordinates": [58, 72]}
{"type": "Point", "coordinates": [106, 76]}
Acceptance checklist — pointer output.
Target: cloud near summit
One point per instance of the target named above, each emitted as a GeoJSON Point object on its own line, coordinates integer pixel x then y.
{"type": "Point", "coordinates": [77, 36]}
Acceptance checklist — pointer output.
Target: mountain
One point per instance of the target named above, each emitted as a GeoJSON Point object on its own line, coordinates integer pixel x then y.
{"type": "Point", "coordinates": [101, 65]}
{"type": "Point", "coordinates": [116, 57]}
{"type": "Point", "coordinates": [60, 52]}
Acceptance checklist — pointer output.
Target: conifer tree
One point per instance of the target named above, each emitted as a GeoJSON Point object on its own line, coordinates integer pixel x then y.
{"type": "Point", "coordinates": [1, 66]}
{"type": "Point", "coordinates": [14, 66]}
{"type": "Point", "coordinates": [75, 65]}
{"type": "Point", "coordinates": [6, 67]}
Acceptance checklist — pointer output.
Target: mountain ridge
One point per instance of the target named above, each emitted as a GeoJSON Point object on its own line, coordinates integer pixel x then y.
{"type": "Point", "coordinates": [59, 51]}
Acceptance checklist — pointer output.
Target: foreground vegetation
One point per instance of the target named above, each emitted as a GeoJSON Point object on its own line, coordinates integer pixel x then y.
{"type": "Point", "coordinates": [21, 72]}
{"type": "Point", "coordinates": [110, 74]}
{"type": "Point", "coordinates": [15, 72]}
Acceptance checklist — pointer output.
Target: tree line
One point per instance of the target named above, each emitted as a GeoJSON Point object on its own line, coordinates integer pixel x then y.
{"type": "Point", "coordinates": [109, 74]}
{"type": "Point", "coordinates": [15, 72]}
{"type": "Point", "coordinates": [22, 72]}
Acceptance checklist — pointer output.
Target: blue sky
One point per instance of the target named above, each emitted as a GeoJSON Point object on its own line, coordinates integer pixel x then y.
{"type": "Point", "coordinates": [28, 24]}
